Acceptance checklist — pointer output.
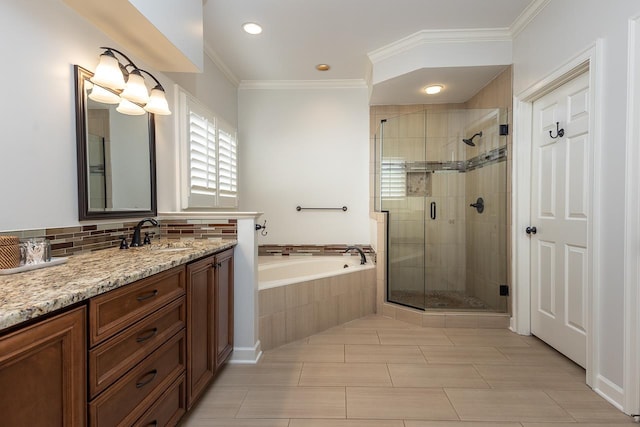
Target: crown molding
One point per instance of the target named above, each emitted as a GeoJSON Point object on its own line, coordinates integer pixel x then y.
{"type": "Point", "coordinates": [226, 71]}
{"type": "Point", "coordinates": [439, 36]}
{"type": "Point", "coordinates": [303, 84]}
{"type": "Point", "coordinates": [527, 15]}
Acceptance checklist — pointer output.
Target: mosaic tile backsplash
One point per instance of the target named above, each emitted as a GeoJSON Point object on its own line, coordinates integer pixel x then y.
{"type": "Point", "coordinates": [67, 241]}
{"type": "Point", "coordinates": [296, 250]}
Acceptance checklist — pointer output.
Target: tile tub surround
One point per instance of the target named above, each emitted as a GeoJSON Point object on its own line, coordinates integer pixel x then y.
{"type": "Point", "coordinates": [292, 312]}
{"type": "Point", "coordinates": [25, 296]}
{"type": "Point", "coordinates": [84, 238]}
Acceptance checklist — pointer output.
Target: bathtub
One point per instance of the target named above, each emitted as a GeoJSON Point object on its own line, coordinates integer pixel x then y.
{"type": "Point", "coordinates": [299, 296]}
{"type": "Point", "coordinates": [281, 271]}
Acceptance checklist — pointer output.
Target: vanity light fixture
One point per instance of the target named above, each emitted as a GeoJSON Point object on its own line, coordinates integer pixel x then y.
{"type": "Point", "coordinates": [252, 28]}
{"type": "Point", "coordinates": [433, 89]}
{"type": "Point", "coordinates": [115, 83]}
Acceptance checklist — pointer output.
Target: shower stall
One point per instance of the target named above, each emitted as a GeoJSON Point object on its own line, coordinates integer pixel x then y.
{"type": "Point", "coordinates": [441, 177]}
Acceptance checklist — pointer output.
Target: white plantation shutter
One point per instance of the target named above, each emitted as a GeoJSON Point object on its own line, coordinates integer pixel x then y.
{"type": "Point", "coordinates": [393, 179]}
{"type": "Point", "coordinates": [210, 164]}
{"type": "Point", "coordinates": [202, 155]}
{"type": "Point", "coordinates": [227, 166]}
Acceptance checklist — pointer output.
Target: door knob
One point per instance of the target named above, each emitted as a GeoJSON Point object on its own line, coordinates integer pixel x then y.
{"type": "Point", "coordinates": [531, 230]}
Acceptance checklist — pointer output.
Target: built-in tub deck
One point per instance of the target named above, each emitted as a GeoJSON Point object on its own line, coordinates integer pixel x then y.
{"type": "Point", "coordinates": [302, 295]}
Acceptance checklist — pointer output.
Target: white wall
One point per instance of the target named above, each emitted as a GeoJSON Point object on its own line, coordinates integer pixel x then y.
{"type": "Point", "coordinates": [308, 147]}
{"type": "Point", "coordinates": [43, 39]}
{"type": "Point", "coordinates": [561, 31]}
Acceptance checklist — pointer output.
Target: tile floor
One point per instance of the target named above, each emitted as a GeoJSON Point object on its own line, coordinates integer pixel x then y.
{"type": "Point", "coordinates": [381, 372]}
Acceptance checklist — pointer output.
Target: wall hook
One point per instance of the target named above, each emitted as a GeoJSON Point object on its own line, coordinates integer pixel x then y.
{"type": "Point", "coordinates": [559, 132]}
{"type": "Point", "coordinates": [262, 227]}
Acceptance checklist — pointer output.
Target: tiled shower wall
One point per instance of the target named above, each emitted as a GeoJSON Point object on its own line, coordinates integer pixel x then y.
{"type": "Point", "coordinates": [488, 237]}
{"type": "Point", "coordinates": [73, 240]}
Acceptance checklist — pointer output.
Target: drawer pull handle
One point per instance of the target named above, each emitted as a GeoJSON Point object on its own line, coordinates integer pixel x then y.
{"type": "Point", "coordinates": [147, 296]}
{"type": "Point", "coordinates": [149, 334]}
{"type": "Point", "coordinates": [152, 375]}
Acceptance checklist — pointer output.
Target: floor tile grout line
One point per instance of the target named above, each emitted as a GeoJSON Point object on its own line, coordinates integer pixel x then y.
{"type": "Point", "coordinates": [390, 376]}
{"type": "Point", "coordinates": [300, 374]}
{"type": "Point", "coordinates": [545, 391]}
{"type": "Point", "coordinates": [235, 415]}
{"type": "Point", "coordinates": [444, 390]}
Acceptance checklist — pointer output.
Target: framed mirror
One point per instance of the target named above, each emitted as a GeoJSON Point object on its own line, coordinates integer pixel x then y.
{"type": "Point", "coordinates": [116, 158]}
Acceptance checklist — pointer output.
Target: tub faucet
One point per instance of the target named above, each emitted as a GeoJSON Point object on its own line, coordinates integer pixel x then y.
{"type": "Point", "coordinates": [363, 259]}
{"type": "Point", "coordinates": [135, 240]}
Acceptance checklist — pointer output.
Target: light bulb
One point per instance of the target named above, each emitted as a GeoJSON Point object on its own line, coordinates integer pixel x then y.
{"type": "Point", "coordinates": [129, 108]}
{"type": "Point", "coordinates": [158, 102]}
{"type": "Point", "coordinates": [135, 90]}
{"type": "Point", "coordinates": [100, 94]}
{"type": "Point", "coordinates": [108, 73]}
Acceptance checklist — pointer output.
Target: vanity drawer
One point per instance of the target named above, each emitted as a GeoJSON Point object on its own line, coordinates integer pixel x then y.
{"type": "Point", "coordinates": [121, 403]}
{"type": "Point", "coordinates": [111, 312]}
{"type": "Point", "coordinates": [168, 409]}
{"type": "Point", "coordinates": [114, 357]}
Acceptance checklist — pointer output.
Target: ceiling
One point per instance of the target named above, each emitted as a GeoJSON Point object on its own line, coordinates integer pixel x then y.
{"type": "Point", "coordinates": [299, 34]}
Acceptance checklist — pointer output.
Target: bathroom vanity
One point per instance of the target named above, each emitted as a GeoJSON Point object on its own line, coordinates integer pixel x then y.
{"type": "Point", "coordinates": [115, 337]}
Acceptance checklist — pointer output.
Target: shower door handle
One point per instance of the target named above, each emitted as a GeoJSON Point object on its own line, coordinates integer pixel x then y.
{"type": "Point", "coordinates": [433, 210]}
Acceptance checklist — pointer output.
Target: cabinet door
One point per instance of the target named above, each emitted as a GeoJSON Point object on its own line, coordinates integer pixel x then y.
{"type": "Point", "coordinates": [200, 327]}
{"type": "Point", "coordinates": [224, 306]}
{"type": "Point", "coordinates": [43, 373]}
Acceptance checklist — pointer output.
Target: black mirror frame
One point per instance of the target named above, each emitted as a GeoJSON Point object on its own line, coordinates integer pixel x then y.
{"type": "Point", "coordinates": [81, 75]}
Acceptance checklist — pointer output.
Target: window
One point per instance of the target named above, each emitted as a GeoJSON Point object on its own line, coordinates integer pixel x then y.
{"type": "Point", "coordinates": [393, 179]}
{"type": "Point", "coordinates": [210, 162]}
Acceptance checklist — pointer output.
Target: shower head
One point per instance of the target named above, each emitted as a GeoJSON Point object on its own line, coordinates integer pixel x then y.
{"type": "Point", "coordinates": [469, 141]}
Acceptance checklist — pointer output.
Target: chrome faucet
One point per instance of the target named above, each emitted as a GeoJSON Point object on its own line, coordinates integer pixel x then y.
{"type": "Point", "coordinates": [363, 259]}
{"type": "Point", "coordinates": [135, 240]}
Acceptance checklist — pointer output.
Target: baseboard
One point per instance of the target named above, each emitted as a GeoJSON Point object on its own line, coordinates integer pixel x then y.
{"type": "Point", "coordinates": [246, 355]}
{"type": "Point", "coordinates": [611, 392]}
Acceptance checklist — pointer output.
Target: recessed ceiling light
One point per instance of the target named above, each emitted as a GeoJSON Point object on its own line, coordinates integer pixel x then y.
{"type": "Point", "coordinates": [252, 28]}
{"type": "Point", "coordinates": [323, 67]}
{"type": "Point", "coordinates": [433, 89]}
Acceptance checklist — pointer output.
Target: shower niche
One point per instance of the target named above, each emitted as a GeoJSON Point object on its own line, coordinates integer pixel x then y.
{"type": "Point", "coordinates": [431, 167]}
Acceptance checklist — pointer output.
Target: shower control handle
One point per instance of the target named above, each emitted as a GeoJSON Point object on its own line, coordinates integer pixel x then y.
{"type": "Point", "coordinates": [478, 205]}
{"type": "Point", "coordinates": [531, 230]}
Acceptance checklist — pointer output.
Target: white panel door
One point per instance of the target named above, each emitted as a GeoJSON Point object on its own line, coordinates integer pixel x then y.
{"type": "Point", "coordinates": [559, 211]}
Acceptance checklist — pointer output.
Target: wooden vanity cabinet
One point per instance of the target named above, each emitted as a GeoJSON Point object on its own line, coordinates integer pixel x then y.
{"type": "Point", "coordinates": [209, 320]}
{"type": "Point", "coordinates": [137, 359]}
{"type": "Point", "coordinates": [43, 373]}
{"type": "Point", "coordinates": [223, 282]}
{"type": "Point", "coordinates": [138, 355]}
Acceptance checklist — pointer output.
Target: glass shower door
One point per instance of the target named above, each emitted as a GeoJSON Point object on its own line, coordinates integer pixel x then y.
{"type": "Point", "coordinates": [402, 196]}
{"type": "Point", "coordinates": [434, 166]}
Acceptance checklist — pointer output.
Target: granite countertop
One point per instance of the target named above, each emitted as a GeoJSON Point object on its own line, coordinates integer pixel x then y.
{"type": "Point", "coordinates": [27, 295]}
